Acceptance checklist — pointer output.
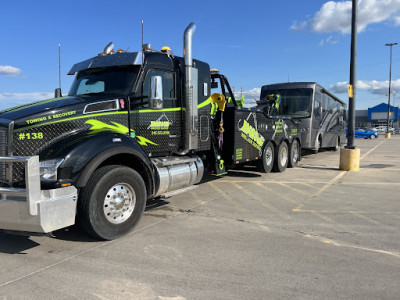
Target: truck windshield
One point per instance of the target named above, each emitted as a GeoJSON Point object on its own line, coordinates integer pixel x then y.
{"type": "Point", "coordinates": [294, 103]}
{"type": "Point", "coordinates": [111, 80]}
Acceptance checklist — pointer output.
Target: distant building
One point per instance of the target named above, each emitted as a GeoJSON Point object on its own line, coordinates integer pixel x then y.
{"type": "Point", "coordinates": [377, 116]}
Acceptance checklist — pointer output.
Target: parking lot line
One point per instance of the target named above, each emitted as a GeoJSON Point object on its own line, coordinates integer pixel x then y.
{"type": "Point", "coordinates": [261, 201]}
{"type": "Point", "coordinates": [277, 194]}
{"type": "Point", "coordinates": [336, 243]}
{"type": "Point", "coordinates": [373, 149]}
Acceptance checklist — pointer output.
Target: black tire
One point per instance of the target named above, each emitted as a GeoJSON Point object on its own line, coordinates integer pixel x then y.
{"type": "Point", "coordinates": [281, 157]}
{"type": "Point", "coordinates": [319, 142]}
{"type": "Point", "coordinates": [294, 154]}
{"type": "Point", "coordinates": [372, 136]}
{"type": "Point", "coordinates": [337, 146]}
{"type": "Point", "coordinates": [112, 202]}
{"type": "Point", "coordinates": [266, 163]}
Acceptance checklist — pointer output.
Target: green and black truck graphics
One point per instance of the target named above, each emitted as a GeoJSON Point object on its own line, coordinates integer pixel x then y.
{"type": "Point", "coordinates": [134, 126]}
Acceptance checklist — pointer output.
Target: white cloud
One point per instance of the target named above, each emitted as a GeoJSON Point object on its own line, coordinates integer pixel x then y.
{"type": "Point", "coordinates": [397, 20]}
{"type": "Point", "coordinates": [336, 16]}
{"type": "Point", "coordinates": [299, 26]}
{"type": "Point", "coordinates": [9, 70]}
{"type": "Point", "coordinates": [371, 86]}
{"type": "Point", "coordinates": [13, 99]}
{"type": "Point", "coordinates": [329, 40]}
{"type": "Point", "coordinates": [253, 93]}
{"type": "Point", "coordinates": [249, 96]}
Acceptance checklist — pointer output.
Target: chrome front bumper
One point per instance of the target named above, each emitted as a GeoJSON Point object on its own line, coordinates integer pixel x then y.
{"type": "Point", "coordinates": [32, 209]}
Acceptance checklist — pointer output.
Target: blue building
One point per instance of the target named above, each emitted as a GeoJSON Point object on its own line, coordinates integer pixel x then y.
{"type": "Point", "coordinates": [377, 116]}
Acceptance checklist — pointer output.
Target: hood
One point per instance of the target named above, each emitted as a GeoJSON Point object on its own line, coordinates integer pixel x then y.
{"type": "Point", "coordinates": [34, 108]}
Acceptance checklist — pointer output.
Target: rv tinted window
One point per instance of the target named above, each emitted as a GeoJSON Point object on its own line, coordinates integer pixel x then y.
{"type": "Point", "coordinates": [294, 103]}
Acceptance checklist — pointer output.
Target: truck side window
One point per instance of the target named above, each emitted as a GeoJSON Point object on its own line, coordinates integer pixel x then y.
{"type": "Point", "coordinates": [168, 81]}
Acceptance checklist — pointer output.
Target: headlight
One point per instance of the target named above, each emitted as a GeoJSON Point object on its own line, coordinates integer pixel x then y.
{"type": "Point", "coordinates": [48, 169]}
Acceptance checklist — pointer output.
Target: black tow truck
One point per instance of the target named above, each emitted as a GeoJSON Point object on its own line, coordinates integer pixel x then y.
{"type": "Point", "coordinates": [134, 126]}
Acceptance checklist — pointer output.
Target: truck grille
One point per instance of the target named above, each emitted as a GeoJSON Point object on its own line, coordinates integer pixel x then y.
{"type": "Point", "coordinates": [3, 152]}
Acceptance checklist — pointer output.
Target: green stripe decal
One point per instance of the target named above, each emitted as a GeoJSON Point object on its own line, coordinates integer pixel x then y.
{"type": "Point", "coordinates": [204, 103]}
{"type": "Point", "coordinates": [160, 110]}
{"type": "Point", "coordinates": [71, 119]}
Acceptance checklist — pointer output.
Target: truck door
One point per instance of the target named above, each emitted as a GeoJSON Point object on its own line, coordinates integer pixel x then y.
{"type": "Point", "coordinates": [158, 130]}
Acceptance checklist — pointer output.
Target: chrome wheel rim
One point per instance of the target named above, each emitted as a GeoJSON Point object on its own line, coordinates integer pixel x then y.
{"type": "Point", "coordinates": [296, 153]}
{"type": "Point", "coordinates": [268, 156]}
{"type": "Point", "coordinates": [283, 156]}
{"type": "Point", "coordinates": [119, 203]}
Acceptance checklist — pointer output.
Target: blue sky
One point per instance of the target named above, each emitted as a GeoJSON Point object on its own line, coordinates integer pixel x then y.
{"type": "Point", "coordinates": [252, 42]}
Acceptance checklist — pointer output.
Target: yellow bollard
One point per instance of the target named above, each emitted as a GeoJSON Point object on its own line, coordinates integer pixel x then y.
{"type": "Point", "coordinates": [349, 159]}
{"type": "Point", "coordinates": [387, 135]}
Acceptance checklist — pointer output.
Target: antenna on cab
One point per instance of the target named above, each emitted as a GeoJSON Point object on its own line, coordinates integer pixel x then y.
{"type": "Point", "coordinates": [141, 45]}
{"type": "Point", "coordinates": [57, 91]}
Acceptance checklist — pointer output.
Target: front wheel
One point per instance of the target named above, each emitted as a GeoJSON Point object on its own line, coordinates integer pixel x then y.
{"type": "Point", "coordinates": [267, 160]}
{"type": "Point", "coordinates": [372, 136]}
{"type": "Point", "coordinates": [281, 157]}
{"type": "Point", "coordinates": [112, 203]}
{"type": "Point", "coordinates": [294, 154]}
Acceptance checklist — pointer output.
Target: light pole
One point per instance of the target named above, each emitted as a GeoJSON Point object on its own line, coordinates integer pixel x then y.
{"type": "Point", "coordinates": [350, 155]}
{"type": "Point", "coordinates": [394, 107]}
{"type": "Point", "coordinates": [352, 83]}
{"type": "Point", "coordinates": [390, 83]}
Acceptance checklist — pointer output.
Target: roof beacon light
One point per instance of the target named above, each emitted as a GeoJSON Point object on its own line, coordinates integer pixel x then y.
{"type": "Point", "coordinates": [214, 71]}
{"type": "Point", "coordinates": [166, 50]}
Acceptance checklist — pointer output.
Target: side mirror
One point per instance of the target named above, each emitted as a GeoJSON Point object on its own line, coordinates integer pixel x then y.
{"type": "Point", "coordinates": [156, 93]}
{"type": "Point", "coordinates": [319, 111]}
{"type": "Point", "coordinates": [214, 84]}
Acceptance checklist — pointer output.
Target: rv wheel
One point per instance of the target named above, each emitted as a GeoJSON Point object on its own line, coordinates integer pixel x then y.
{"type": "Point", "coordinates": [337, 146]}
{"type": "Point", "coordinates": [315, 151]}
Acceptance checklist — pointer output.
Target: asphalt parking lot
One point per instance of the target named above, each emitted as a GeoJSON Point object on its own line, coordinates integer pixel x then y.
{"type": "Point", "coordinates": [313, 232]}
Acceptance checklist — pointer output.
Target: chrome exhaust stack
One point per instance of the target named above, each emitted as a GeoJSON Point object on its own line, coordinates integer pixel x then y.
{"type": "Point", "coordinates": [191, 93]}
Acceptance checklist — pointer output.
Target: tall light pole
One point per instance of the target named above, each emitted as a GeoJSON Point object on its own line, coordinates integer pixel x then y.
{"type": "Point", "coordinates": [352, 83]}
{"type": "Point", "coordinates": [350, 155]}
{"type": "Point", "coordinates": [390, 83]}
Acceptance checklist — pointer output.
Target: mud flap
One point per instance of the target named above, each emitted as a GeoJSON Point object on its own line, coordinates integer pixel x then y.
{"type": "Point", "coordinates": [219, 168]}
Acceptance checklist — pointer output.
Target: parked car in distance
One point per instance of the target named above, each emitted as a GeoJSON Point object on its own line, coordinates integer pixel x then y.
{"type": "Point", "coordinates": [382, 129]}
{"type": "Point", "coordinates": [365, 133]}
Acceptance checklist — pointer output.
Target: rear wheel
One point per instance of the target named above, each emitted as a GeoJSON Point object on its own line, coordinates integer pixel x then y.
{"type": "Point", "coordinates": [315, 151]}
{"type": "Point", "coordinates": [372, 136]}
{"type": "Point", "coordinates": [266, 163]}
{"type": "Point", "coordinates": [112, 202]}
{"type": "Point", "coordinates": [294, 154]}
{"type": "Point", "coordinates": [281, 157]}
{"type": "Point", "coordinates": [337, 146]}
